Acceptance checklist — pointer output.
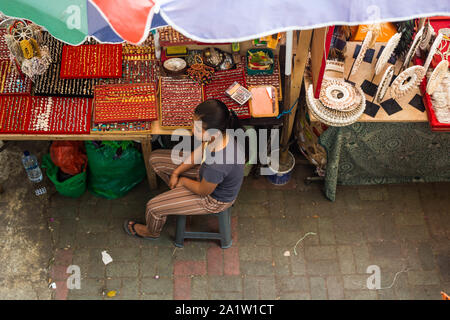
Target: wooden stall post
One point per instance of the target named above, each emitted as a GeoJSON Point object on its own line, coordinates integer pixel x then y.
{"type": "Point", "coordinates": [293, 84]}
{"type": "Point", "coordinates": [146, 151]}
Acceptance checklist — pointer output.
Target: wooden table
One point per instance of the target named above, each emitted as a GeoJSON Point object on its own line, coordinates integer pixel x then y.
{"type": "Point", "coordinates": [145, 137]}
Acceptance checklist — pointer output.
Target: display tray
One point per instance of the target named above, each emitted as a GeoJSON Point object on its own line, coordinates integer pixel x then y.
{"type": "Point", "coordinates": [50, 84]}
{"type": "Point", "coordinates": [121, 127]}
{"type": "Point", "coordinates": [432, 119]}
{"type": "Point", "coordinates": [145, 51]}
{"type": "Point", "coordinates": [168, 36]}
{"type": "Point", "coordinates": [11, 82]}
{"type": "Point", "coordinates": [55, 47]}
{"type": "Point", "coordinates": [14, 113]}
{"type": "Point", "coordinates": [221, 81]}
{"type": "Point", "coordinates": [58, 115]}
{"type": "Point", "coordinates": [125, 103]}
{"type": "Point", "coordinates": [178, 99]}
{"type": "Point", "coordinates": [91, 61]}
{"type": "Point", "coordinates": [4, 51]}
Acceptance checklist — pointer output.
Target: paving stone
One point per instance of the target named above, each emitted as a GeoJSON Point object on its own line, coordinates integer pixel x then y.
{"type": "Point", "coordinates": [346, 260]}
{"type": "Point", "coordinates": [361, 256]}
{"type": "Point", "coordinates": [413, 233]}
{"type": "Point", "coordinates": [360, 294]}
{"type": "Point", "coordinates": [423, 277]}
{"type": "Point", "coordinates": [225, 283]}
{"type": "Point", "coordinates": [292, 284]}
{"type": "Point", "coordinates": [426, 257]}
{"type": "Point", "coordinates": [373, 193]}
{"type": "Point", "coordinates": [93, 240]}
{"type": "Point", "coordinates": [298, 263]}
{"type": "Point", "coordinates": [320, 252]}
{"type": "Point", "coordinates": [226, 295]}
{"type": "Point", "coordinates": [267, 288]}
{"type": "Point", "coordinates": [356, 281]}
{"type": "Point", "coordinates": [403, 218]}
{"type": "Point", "coordinates": [348, 236]}
{"type": "Point", "coordinates": [326, 231]}
{"type": "Point", "coordinates": [287, 224]}
{"type": "Point", "coordinates": [322, 267]}
{"type": "Point", "coordinates": [157, 286]}
{"type": "Point", "coordinates": [64, 212]}
{"type": "Point", "coordinates": [255, 253]}
{"type": "Point", "coordinates": [129, 289]}
{"type": "Point", "coordinates": [281, 264]}
{"type": "Point", "coordinates": [387, 294]}
{"type": "Point", "coordinates": [66, 234]}
{"type": "Point", "coordinates": [443, 261]}
{"type": "Point", "coordinates": [257, 268]}
{"type": "Point", "coordinates": [89, 287]}
{"type": "Point", "coordinates": [192, 252]}
{"type": "Point", "coordinates": [251, 210]}
{"type": "Point", "coordinates": [199, 288]}
{"type": "Point", "coordinates": [92, 225]}
{"type": "Point", "coordinates": [96, 269]}
{"type": "Point", "coordinates": [318, 288]}
{"type": "Point", "coordinates": [165, 261]}
{"type": "Point", "coordinates": [426, 293]}
{"type": "Point", "coordinates": [122, 269]}
{"type": "Point", "coordinates": [335, 287]}
{"type": "Point", "coordinates": [295, 296]}
{"type": "Point", "coordinates": [131, 254]}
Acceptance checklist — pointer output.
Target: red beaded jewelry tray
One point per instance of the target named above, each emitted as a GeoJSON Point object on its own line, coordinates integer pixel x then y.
{"type": "Point", "coordinates": [178, 99]}
{"type": "Point", "coordinates": [125, 103]}
{"type": "Point", "coordinates": [221, 81]}
{"type": "Point", "coordinates": [11, 82]}
{"type": "Point", "coordinates": [60, 115]}
{"type": "Point", "coordinates": [14, 113]}
{"type": "Point", "coordinates": [91, 61]}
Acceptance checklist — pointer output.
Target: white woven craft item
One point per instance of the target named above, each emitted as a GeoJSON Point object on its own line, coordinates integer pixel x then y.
{"type": "Point", "coordinates": [400, 88]}
{"type": "Point", "coordinates": [437, 76]}
{"type": "Point", "coordinates": [412, 50]}
{"type": "Point", "coordinates": [387, 52]}
{"type": "Point", "coordinates": [384, 83]}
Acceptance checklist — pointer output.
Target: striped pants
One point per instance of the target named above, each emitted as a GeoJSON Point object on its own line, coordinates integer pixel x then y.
{"type": "Point", "coordinates": [178, 201]}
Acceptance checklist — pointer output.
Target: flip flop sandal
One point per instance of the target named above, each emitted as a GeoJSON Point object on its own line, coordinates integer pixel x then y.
{"type": "Point", "coordinates": [135, 234]}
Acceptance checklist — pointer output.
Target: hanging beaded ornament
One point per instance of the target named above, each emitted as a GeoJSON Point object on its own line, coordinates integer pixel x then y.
{"type": "Point", "coordinates": [384, 83]}
{"type": "Point", "coordinates": [427, 35]}
{"type": "Point", "coordinates": [433, 50]}
{"type": "Point", "coordinates": [339, 95]}
{"type": "Point", "coordinates": [387, 52]}
{"type": "Point", "coordinates": [199, 72]}
{"type": "Point", "coordinates": [437, 76]}
{"type": "Point", "coordinates": [362, 52]}
{"type": "Point", "coordinates": [407, 81]}
{"type": "Point", "coordinates": [412, 50]}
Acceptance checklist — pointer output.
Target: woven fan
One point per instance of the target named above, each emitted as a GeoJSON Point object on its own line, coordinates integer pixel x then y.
{"type": "Point", "coordinates": [407, 81]}
{"type": "Point", "coordinates": [362, 51]}
{"type": "Point", "coordinates": [384, 83]}
{"type": "Point", "coordinates": [433, 50]}
{"type": "Point", "coordinates": [437, 76]}
{"type": "Point", "coordinates": [412, 50]}
{"type": "Point", "coordinates": [387, 53]}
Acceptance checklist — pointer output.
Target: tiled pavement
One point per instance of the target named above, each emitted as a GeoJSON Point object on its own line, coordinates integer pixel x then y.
{"type": "Point", "coordinates": [395, 227]}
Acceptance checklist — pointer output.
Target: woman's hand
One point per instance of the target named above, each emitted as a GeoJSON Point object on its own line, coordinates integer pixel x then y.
{"type": "Point", "coordinates": [180, 181]}
{"type": "Point", "coordinates": [174, 180]}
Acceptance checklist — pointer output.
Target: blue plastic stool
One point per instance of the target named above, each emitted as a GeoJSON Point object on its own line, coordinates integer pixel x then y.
{"type": "Point", "coordinates": [224, 234]}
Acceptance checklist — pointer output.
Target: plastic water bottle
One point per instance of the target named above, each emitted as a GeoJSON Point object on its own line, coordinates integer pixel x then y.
{"type": "Point", "coordinates": [31, 165]}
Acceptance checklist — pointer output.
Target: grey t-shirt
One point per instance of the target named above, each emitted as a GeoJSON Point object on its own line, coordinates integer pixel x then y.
{"type": "Point", "coordinates": [226, 172]}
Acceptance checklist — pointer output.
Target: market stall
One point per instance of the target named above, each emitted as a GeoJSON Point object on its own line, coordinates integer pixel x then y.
{"type": "Point", "coordinates": [384, 132]}
{"type": "Point", "coordinates": [124, 92]}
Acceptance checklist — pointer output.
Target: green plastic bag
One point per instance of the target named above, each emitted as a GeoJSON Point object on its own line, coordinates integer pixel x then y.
{"type": "Point", "coordinates": [114, 168]}
{"type": "Point", "coordinates": [73, 187]}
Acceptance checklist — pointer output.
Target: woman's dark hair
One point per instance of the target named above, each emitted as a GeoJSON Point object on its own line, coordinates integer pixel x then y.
{"type": "Point", "coordinates": [215, 115]}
